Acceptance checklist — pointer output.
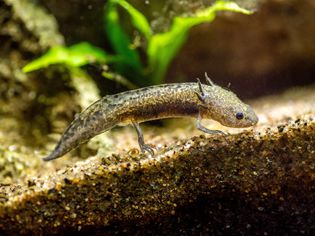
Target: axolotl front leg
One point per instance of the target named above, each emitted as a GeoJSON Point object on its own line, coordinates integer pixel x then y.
{"type": "Point", "coordinates": [202, 96]}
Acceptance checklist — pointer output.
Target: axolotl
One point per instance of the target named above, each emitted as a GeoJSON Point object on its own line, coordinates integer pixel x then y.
{"type": "Point", "coordinates": [194, 99]}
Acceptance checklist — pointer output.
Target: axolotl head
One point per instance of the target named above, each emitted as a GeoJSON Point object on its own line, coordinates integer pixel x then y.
{"type": "Point", "coordinates": [225, 107]}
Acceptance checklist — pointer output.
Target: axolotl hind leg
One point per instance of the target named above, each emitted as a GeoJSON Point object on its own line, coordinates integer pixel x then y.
{"type": "Point", "coordinates": [144, 147]}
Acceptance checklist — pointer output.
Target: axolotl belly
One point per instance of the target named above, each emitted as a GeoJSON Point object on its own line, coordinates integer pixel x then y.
{"type": "Point", "coordinates": [156, 102]}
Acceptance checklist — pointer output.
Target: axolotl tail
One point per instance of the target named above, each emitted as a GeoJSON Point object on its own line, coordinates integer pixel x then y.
{"type": "Point", "coordinates": [88, 124]}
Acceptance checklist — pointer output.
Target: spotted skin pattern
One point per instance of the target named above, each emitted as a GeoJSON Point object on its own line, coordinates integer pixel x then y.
{"type": "Point", "coordinates": [156, 102]}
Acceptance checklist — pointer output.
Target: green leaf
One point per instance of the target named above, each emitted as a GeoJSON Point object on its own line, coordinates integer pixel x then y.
{"type": "Point", "coordinates": [74, 56]}
{"type": "Point", "coordinates": [120, 41]}
{"type": "Point", "coordinates": [137, 18]}
{"type": "Point", "coordinates": [84, 53]}
{"type": "Point", "coordinates": [163, 47]}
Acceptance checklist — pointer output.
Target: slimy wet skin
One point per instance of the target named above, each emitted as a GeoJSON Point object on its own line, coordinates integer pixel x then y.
{"type": "Point", "coordinates": [156, 102]}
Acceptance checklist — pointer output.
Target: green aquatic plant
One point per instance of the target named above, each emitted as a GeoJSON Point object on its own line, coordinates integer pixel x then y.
{"type": "Point", "coordinates": [74, 56]}
{"type": "Point", "coordinates": [163, 47]}
{"type": "Point", "coordinates": [160, 48]}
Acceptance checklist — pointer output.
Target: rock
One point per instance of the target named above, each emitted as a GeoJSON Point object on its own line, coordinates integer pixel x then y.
{"type": "Point", "coordinates": [26, 29]}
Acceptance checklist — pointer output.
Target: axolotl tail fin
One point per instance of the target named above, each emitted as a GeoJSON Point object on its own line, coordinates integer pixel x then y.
{"type": "Point", "coordinates": [88, 124]}
{"type": "Point", "coordinates": [58, 152]}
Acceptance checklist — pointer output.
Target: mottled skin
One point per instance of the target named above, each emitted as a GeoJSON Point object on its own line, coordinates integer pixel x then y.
{"type": "Point", "coordinates": [156, 102]}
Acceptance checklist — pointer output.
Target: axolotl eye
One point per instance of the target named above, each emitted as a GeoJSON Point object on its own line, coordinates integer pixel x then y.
{"type": "Point", "coordinates": [239, 115]}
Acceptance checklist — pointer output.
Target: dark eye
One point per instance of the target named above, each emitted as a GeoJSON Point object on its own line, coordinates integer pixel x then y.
{"type": "Point", "coordinates": [239, 115]}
